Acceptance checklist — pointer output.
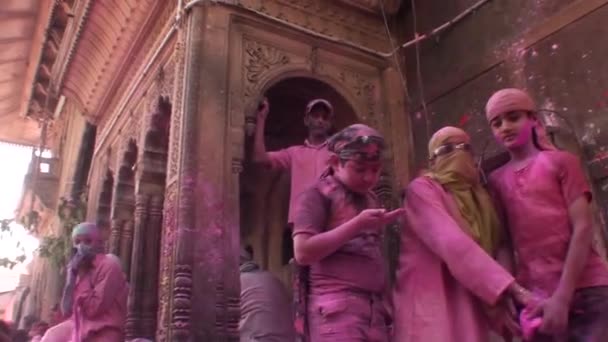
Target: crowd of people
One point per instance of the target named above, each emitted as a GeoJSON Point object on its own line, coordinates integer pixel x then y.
{"type": "Point", "coordinates": [513, 256]}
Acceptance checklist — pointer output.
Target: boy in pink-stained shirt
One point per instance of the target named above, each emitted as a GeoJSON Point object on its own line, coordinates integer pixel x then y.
{"type": "Point", "coordinates": [546, 201]}
{"type": "Point", "coordinates": [95, 295]}
{"type": "Point", "coordinates": [337, 232]}
{"type": "Point", "coordinates": [306, 162]}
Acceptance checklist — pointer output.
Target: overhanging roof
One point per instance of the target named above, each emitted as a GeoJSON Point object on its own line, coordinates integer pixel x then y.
{"type": "Point", "coordinates": [22, 30]}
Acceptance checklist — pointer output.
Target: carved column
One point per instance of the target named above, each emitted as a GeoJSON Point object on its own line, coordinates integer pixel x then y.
{"type": "Point", "coordinates": [151, 266]}
{"type": "Point", "coordinates": [126, 246]}
{"type": "Point", "coordinates": [137, 274]}
{"type": "Point", "coordinates": [115, 231]}
{"type": "Point", "coordinates": [206, 285]}
{"type": "Point", "coordinates": [121, 231]}
{"type": "Point", "coordinates": [181, 297]}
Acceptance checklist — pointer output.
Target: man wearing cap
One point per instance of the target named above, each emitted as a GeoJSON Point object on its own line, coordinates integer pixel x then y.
{"type": "Point", "coordinates": [306, 162]}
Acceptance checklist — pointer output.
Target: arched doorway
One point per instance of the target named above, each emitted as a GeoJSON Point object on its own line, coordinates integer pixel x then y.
{"type": "Point", "coordinates": [264, 194]}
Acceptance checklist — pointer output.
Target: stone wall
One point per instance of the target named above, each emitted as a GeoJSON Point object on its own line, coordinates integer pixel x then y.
{"type": "Point", "coordinates": [555, 49]}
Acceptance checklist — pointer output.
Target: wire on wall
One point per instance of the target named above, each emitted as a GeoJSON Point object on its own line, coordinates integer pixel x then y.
{"type": "Point", "coordinates": [395, 50]}
{"type": "Point", "coordinates": [421, 95]}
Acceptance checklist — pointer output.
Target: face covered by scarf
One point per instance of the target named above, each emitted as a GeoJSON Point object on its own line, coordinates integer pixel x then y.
{"type": "Point", "coordinates": [87, 231]}
{"type": "Point", "coordinates": [453, 166]}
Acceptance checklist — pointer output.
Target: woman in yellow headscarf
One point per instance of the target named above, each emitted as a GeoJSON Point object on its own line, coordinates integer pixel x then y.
{"type": "Point", "coordinates": [446, 267]}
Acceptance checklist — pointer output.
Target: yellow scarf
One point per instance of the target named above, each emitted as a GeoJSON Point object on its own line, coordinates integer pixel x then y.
{"type": "Point", "coordinates": [457, 173]}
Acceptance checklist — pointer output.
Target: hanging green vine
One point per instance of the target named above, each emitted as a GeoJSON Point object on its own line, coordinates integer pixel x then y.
{"type": "Point", "coordinates": [58, 248]}
{"type": "Point", "coordinates": [55, 248]}
{"type": "Point", "coordinates": [30, 221]}
{"type": "Point", "coordinates": [5, 229]}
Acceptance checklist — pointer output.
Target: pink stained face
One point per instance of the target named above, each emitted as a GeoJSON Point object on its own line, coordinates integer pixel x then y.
{"type": "Point", "coordinates": [359, 176]}
{"type": "Point", "coordinates": [513, 129]}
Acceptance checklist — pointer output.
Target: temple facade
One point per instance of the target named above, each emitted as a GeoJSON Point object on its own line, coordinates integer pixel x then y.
{"type": "Point", "coordinates": [147, 110]}
{"type": "Point", "coordinates": [148, 107]}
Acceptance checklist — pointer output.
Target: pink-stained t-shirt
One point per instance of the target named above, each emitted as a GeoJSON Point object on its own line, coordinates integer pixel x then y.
{"type": "Point", "coordinates": [444, 277]}
{"type": "Point", "coordinates": [100, 302]}
{"type": "Point", "coordinates": [535, 201]}
{"type": "Point", "coordinates": [306, 164]}
{"type": "Point", "coordinates": [356, 266]}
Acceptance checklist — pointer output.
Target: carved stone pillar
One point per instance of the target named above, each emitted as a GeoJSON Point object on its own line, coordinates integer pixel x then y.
{"type": "Point", "coordinates": [121, 231]}
{"type": "Point", "coordinates": [115, 232]}
{"type": "Point", "coordinates": [206, 280]}
{"type": "Point", "coordinates": [137, 275]}
{"type": "Point", "coordinates": [126, 246]}
{"type": "Point", "coordinates": [151, 266]}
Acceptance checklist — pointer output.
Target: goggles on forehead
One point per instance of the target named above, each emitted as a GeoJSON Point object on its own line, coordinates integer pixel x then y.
{"type": "Point", "coordinates": [449, 148]}
{"type": "Point", "coordinates": [363, 141]}
{"type": "Point", "coordinates": [359, 156]}
{"type": "Point", "coordinates": [353, 149]}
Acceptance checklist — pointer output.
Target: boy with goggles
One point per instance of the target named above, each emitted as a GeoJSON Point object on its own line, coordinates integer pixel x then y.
{"type": "Point", "coordinates": [337, 233]}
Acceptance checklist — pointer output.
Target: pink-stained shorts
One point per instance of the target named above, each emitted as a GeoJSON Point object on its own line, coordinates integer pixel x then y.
{"type": "Point", "coordinates": [348, 317]}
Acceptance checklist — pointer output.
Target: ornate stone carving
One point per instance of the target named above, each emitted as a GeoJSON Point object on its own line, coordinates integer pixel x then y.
{"type": "Point", "coordinates": [162, 86]}
{"type": "Point", "coordinates": [104, 202]}
{"type": "Point", "coordinates": [259, 59]}
{"type": "Point", "coordinates": [181, 306]}
{"type": "Point", "coordinates": [167, 79]}
{"type": "Point", "coordinates": [151, 255]}
{"type": "Point", "coordinates": [126, 246]}
{"type": "Point", "coordinates": [136, 293]}
{"type": "Point", "coordinates": [364, 88]}
{"type": "Point", "coordinates": [166, 260]}
{"type": "Point", "coordinates": [132, 130]}
{"type": "Point", "coordinates": [220, 308]}
{"type": "Point", "coordinates": [233, 310]}
{"type": "Point", "coordinates": [327, 17]}
{"type": "Point", "coordinates": [182, 302]}
{"type": "Point", "coordinates": [115, 233]}
{"type": "Point", "coordinates": [176, 115]}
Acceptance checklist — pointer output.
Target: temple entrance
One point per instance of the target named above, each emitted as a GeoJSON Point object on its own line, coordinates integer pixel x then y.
{"type": "Point", "coordinates": [264, 193]}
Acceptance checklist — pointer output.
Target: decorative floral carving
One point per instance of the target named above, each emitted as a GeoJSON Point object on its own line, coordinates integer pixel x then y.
{"type": "Point", "coordinates": [166, 79]}
{"type": "Point", "coordinates": [327, 17]}
{"type": "Point", "coordinates": [182, 302]}
{"type": "Point", "coordinates": [166, 260]}
{"type": "Point", "coordinates": [259, 59]}
{"type": "Point", "coordinates": [364, 88]}
{"type": "Point", "coordinates": [177, 107]}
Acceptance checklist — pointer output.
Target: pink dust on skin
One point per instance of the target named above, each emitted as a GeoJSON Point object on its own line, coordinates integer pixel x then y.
{"type": "Point", "coordinates": [517, 139]}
